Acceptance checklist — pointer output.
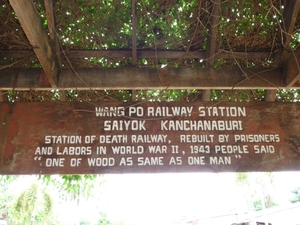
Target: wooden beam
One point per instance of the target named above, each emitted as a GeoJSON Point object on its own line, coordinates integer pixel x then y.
{"type": "Point", "coordinates": [37, 36]}
{"type": "Point", "coordinates": [213, 30]}
{"type": "Point", "coordinates": [54, 40]}
{"type": "Point", "coordinates": [270, 95]}
{"type": "Point", "coordinates": [288, 26]}
{"type": "Point", "coordinates": [134, 36]}
{"type": "Point", "coordinates": [162, 54]}
{"type": "Point", "coordinates": [205, 95]}
{"type": "Point", "coordinates": [292, 69]}
{"type": "Point", "coordinates": [17, 53]}
{"type": "Point", "coordinates": [51, 28]}
{"type": "Point", "coordinates": [128, 78]}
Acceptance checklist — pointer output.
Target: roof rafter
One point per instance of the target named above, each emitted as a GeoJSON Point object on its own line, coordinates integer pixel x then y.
{"type": "Point", "coordinates": [134, 34]}
{"type": "Point", "coordinates": [38, 38]}
{"type": "Point", "coordinates": [212, 38]}
{"type": "Point", "coordinates": [51, 28]}
{"type": "Point", "coordinates": [53, 38]}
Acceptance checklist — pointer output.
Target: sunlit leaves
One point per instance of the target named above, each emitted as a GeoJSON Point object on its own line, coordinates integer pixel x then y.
{"type": "Point", "coordinates": [168, 24]}
{"type": "Point", "coordinates": [288, 95]}
{"type": "Point", "coordinates": [245, 25]}
{"type": "Point", "coordinates": [238, 95]}
{"type": "Point", "coordinates": [95, 24]}
{"type": "Point", "coordinates": [31, 204]}
{"type": "Point", "coordinates": [168, 95]}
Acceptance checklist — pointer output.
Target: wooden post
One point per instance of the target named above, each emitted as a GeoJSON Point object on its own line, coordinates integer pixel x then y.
{"type": "Point", "coordinates": [270, 95]}
{"type": "Point", "coordinates": [205, 95]}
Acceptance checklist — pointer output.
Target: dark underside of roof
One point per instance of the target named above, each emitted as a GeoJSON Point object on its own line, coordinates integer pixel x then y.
{"type": "Point", "coordinates": [149, 44]}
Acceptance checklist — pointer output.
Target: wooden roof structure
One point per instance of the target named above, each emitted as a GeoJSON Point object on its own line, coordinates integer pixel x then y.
{"type": "Point", "coordinates": [149, 44]}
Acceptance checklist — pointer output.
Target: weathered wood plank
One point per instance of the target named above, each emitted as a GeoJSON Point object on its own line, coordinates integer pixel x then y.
{"type": "Point", "coordinates": [270, 95]}
{"type": "Point", "coordinates": [205, 95]}
{"type": "Point", "coordinates": [213, 30]}
{"type": "Point", "coordinates": [51, 28]}
{"type": "Point", "coordinates": [292, 69]}
{"type": "Point", "coordinates": [90, 138]}
{"type": "Point", "coordinates": [17, 54]}
{"type": "Point", "coordinates": [134, 30]}
{"type": "Point", "coordinates": [37, 36]}
{"type": "Point", "coordinates": [144, 78]}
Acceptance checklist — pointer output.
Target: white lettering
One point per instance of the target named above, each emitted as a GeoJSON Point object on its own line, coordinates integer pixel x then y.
{"type": "Point", "coordinates": [137, 125]}
{"type": "Point", "coordinates": [226, 160]}
{"type": "Point", "coordinates": [123, 150]}
{"type": "Point", "coordinates": [264, 149]}
{"type": "Point", "coordinates": [79, 150]}
{"type": "Point", "coordinates": [101, 161]}
{"type": "Point", "coordinates": [158, 149]}
{"type": "Point", "coordinates": [64, 139]}
{"type": "Point", "coordinates": [199, 160]}
{"type": "Point", "coordinates": [190, 125]}
{"type": "Point", "coordinates": [150, 161]}
{"type": "Point", "coordinates": [55, 162]}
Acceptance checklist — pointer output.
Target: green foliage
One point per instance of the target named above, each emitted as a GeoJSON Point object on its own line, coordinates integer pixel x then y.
{"type": "Point", "coordinates": [288, 95]}
{"type": "Point", "coordinates": [33, 96]}
{"type": "Point", "coordinates": [168, 95]}
{"type": "Point", "coordinates": [6, 197]}
{"type": "Point", "coordinates": [243, 23]}
{"type": "Point", "coordinates": [71, 186]}
{"type": "Point", "coordinates": [75, 183]}
{"type": "Point", "coordinates": [104, 220]}
{"type": "Point", "coordinates": [169, 24]}
{"type": "Point", "coordinates": [284, 95]}
{"type": "Point", "coordinates": [296, 197]}
{"type": "Point", "coordinates": [269, 203]}
{"type": "Point", "coordinates": [32, 205]}
{"type": "Point", "coordinates": [77, 26]}
{"type": "Point", "coordinates": [238, 95]}
{"type": "Point", "coordinates": [242, 178]}
{"type": "Point", "coordinates": [295, 39]}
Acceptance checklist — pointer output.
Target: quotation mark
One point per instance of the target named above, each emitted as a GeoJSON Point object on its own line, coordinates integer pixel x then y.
{"type": "Point", "coordinates": [39, 158]}
{"type": "Point", "coordinates": [238, 156]}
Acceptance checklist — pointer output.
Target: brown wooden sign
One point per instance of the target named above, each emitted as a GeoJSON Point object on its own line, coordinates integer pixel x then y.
{"type": "Point", "coordinates": [93, 137]}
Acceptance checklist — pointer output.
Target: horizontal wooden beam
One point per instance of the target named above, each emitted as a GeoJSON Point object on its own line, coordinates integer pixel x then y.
{"type": "Point", "coordinates": [167, 54]}
{"type": "Point", "coordinates": [37, 36]}
{"type": "Point", "coordinates": [144, 78]}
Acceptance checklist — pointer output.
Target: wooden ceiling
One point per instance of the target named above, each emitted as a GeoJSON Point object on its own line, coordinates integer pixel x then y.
{"type": "Point", "coordinates": [58, 72]}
